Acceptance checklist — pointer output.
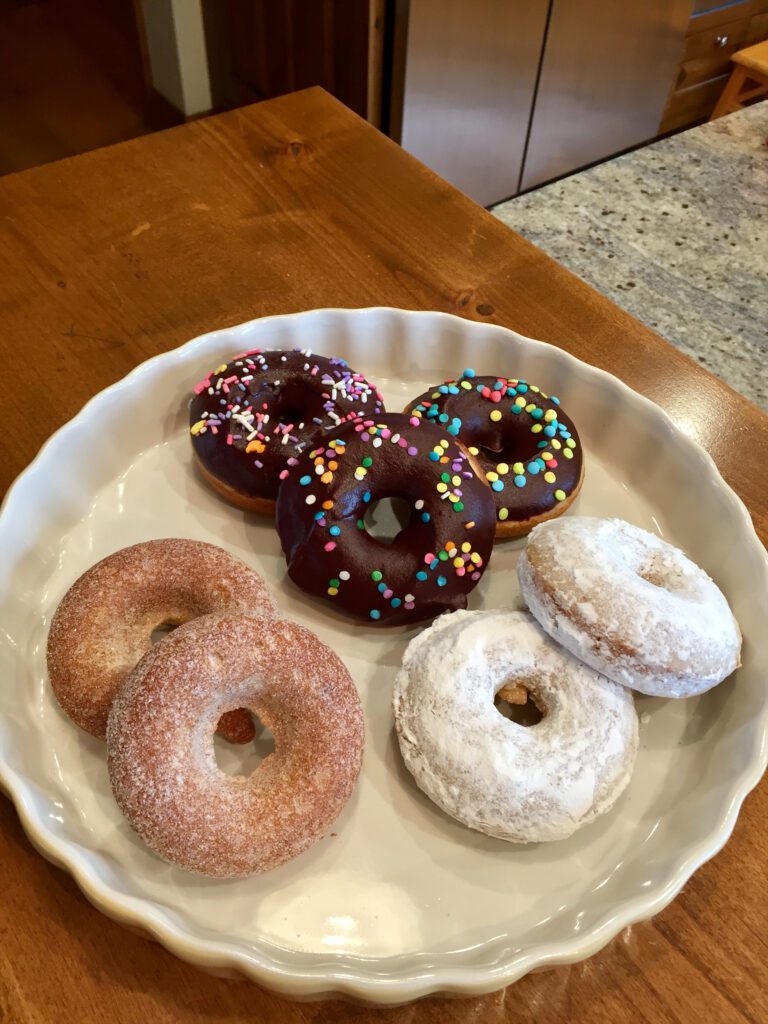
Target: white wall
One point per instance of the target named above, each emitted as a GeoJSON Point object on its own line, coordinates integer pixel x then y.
{"type": "Point", "coordinates": [177, 57]}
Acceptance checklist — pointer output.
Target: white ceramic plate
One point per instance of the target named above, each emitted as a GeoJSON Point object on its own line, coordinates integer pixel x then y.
{"type": "Point", "coordinates": [400, 901]}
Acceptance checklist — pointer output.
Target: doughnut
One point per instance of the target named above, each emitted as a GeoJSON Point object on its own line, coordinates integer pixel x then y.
{"type": "Point", "coordinates": [519, 783]}
{"type": "Point", "coordinates": [435, 560]}
{"type": "Point", "coordinates": [630, 605]}
{"type": "Point", "coordinates": [104, 623]}
{"type": "Point", "coordinates": [252, 417]}
{"type": "Point", "coordinates": [160, 752]}
{"type": "Point", "coordinates": [525, 445]}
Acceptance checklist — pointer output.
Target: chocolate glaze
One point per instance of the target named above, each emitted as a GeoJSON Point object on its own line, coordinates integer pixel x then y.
{"type": "Point", "coordinates": [252, 417]}
{"type": "Point", "coordinates": [514, 449]}
{"type": "Point", "coordinates": [432, 564]}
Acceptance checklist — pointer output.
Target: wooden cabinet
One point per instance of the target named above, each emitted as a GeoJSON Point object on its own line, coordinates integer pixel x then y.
{"type": "Point", "coordinates": [708, 54]}
{"type": "Point", "coordinates": [713, 35]}
{"type": "Point", "coordinates": [269, 47]}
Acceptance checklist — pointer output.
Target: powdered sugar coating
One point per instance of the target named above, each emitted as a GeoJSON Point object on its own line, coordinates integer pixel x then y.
{"type": "Point", "coordinates": [630, 605]}
{"type": "Point", "coordinates": [105, 621]}
{"type": "Point", "coordinates": [522, 784]}
{"type": "Point", "coordinates": [160, 744]}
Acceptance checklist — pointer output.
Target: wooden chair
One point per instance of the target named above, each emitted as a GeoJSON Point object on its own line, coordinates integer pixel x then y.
{"type": "Point", "coordinates": [748, 81]}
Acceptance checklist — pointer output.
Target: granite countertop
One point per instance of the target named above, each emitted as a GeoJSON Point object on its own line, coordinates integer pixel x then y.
{"type": "Point", "coordinates": [677, 234]}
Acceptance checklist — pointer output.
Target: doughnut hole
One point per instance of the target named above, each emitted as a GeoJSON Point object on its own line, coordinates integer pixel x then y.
{"type": "Point", "coordinates": [161, 631]}
{"type": "Point", "coordinates": [650, 575]}
{"type": "Point", "coordinates": [237, 726]}
{"type": "Point", "coordinates": [521, 707]}
{"type": "Point", "coordinates": [508, 441]}
{"type": "Point", "coordinates": [385, 520]}
{"type": "Point", "coordinates": [296, 404]}
{"type": "Point", "coordinates": [242, 759]}
{"type": "Point", "coordinates": [516, 451]}
{"type": "Point", "coordinates": [659, 575]}
{"type": "Point", "coordinates": [290, 417]}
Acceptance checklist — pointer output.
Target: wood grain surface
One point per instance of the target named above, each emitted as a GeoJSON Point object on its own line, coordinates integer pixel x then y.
{"type": "Point", "coordinates": [114, 256]}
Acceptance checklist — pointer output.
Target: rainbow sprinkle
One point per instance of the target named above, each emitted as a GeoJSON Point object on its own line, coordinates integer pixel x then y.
{"type": "Point", "coordinates": [528, 405]}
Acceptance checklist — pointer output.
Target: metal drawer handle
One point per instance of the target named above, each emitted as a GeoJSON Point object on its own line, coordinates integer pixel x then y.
{"type": "Point", "coordinates": [721, 40]}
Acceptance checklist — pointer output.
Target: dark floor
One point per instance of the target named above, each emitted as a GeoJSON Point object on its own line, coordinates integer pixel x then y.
{"type": "Point", "coordinates": [71, 79]}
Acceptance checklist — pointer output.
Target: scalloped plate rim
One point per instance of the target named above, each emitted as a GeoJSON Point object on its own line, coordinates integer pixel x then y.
{"type": "Point", "coordinates": [350, 977]}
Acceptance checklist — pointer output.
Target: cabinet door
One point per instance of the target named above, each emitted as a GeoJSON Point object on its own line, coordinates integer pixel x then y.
{"type": "Point", "coordinates": [607, 70]}
{"type": "Point", "coordinates": [470, 73]}
{"type": "Point", "coordinates": [278, 46]}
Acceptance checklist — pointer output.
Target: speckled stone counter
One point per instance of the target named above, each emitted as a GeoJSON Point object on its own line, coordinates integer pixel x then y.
{"type": "Point", "coordinates": [677, 234]}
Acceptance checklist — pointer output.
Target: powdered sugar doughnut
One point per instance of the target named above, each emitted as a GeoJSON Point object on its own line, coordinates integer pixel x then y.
{"type": "Point", "coordinates": [523, 784]}
{"type": "Point", "coordinates": [630, 605]}
{"type": "Point", "coordinates": [105, 622]}
{"type": "Point", "coordinates": [160, 744]}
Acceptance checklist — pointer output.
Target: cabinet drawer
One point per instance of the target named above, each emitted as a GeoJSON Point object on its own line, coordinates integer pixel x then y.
{"type": "Point", "coordinates": [714, 35]}
{"type": "Point", "coordinates": [758, 29]}
{"type": "Point", "coordinates": [686, 106]}
{"type": "Point", "coordinates": [708, 54]}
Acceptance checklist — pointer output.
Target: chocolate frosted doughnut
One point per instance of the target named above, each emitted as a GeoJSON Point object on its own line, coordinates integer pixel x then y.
{"type": "Point", "coordinates": [105, 621]}
{"type": "Point", "coordinates": [252, 417]}
{"type": "Point", "coordinates": [527, 447]}
{"type": "Point", "coordinates": [432, 564]}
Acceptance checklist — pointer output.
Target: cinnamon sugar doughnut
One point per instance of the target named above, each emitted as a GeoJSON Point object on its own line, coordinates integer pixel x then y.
{"type": "Point", "coordinates": [160, 744]}
{"type": "Point", "coordinates": [630, 605]}
{"type": "Point", "coordinates": [105, 621]}
{"type": "Point", "coordinates": [522, 784]}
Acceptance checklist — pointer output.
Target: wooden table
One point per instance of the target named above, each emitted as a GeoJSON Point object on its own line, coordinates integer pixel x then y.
{"type": "Point", "coordinates": [111, 257]}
